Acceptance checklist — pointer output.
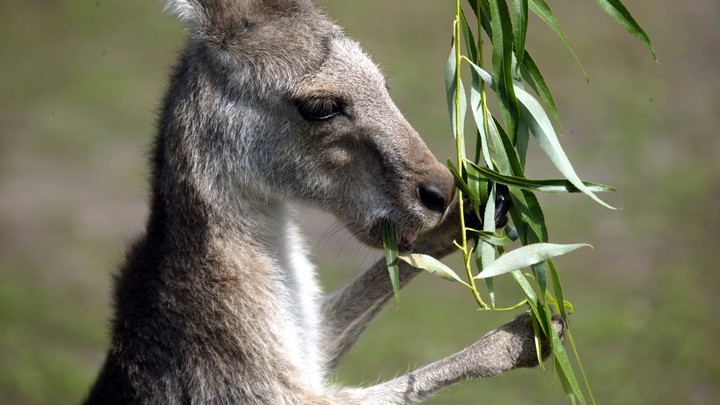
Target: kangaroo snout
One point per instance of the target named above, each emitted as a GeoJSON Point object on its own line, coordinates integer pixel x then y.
{"type": "Point", "coordinates": [434, 185]}
{"type": "Point", "coordinates": [436, 192]}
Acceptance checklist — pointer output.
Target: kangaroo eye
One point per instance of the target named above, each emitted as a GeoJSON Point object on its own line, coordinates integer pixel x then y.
{"type": "Point", "coordinates": [319, 108]}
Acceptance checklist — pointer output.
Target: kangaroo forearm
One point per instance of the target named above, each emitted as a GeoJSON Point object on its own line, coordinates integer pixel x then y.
{"type": "Point", "coordinates": [423, 383]}
{"type": "Point", "coordinates": [349, 310]}
{"type": "Point", "coordinates": [506, 348]}
{"type": "Point", "coordinates": [373, 286]}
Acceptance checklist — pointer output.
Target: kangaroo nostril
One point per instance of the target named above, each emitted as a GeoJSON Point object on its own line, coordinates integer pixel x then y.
{"type": "Point", "coordinates": [432, 198]}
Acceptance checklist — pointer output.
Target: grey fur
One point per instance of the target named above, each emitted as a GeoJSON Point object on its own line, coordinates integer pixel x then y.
{"type": "Point", "coordinates": [217, 302]}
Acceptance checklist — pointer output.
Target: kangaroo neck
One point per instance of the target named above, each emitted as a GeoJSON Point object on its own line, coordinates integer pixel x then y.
{"type": "Point", "coordinates": [185, 217]}
{"type": "Point", "coordinates": [248, 245]}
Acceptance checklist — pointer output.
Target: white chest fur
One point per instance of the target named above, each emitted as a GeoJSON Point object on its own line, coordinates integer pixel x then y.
{"type": "Point", "coordinates": [300, 301]}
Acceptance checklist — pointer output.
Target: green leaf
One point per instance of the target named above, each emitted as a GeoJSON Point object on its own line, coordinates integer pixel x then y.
{"type": "Point", "coordinates": [622, 16]}
{"type": "Point", "coordinates": [565, 369]}
{"type": "Point", "coordinates": [540, 274]}
{"type": "Point", "coordinates": [482, 147]}
{"type": "Point", "coordinates": [527, 214]}
{"type": "Point", "coordinates": [564, 382]}
{"type": "Point", "coordinates": [450, 88]}
{"type": "Point", "coordinates": [487, 254]}
{"type": "Point", "coordinates": [502, 41]}
{"type": "Point", "coordinates": [431, 265]}
{"type": "Point", "coordinates": [468, 36]}
{"type": "Point", "coordinates": [520, 21]}
{"type": "Point", "coordinates": [531, 297]}
{"type": "Point", "coordinates": [544, 134]}
{"type": "Point", "coordinates": [485, 76]}
{"type": "Point", "coordinates": [509, 163]}
{"type": "Point", "coordinates": [478, 187]}
{"type": "Point", "coordinates": [550, 186]}
{"type": "Point", "coordinates": [531, 73]}
{"type": "Point", "coordinates": [582, 369]}
{"type": "Point", "coordinates": [557, 288]}
{"type": "Point", "coordinates": [389, 236]}
{"type": "Point", "coordinates": [476, 107]}
{"type": "Point", "coordinates": [491, 237]}
{"type": "Point", "coordinates": [461, 184]}
{"type": "Point", "coordinates": [537, 337]}
{"type": "Point", "coordinates": [481, 9]}
{"type": "Point", "coordinates": [542, 10]}
{"type": "Point", "coordinates": [522, 140]}
{"type": "Point", "coordinates": [526, 256]}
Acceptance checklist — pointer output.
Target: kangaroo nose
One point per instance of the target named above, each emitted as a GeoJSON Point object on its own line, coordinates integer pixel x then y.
{"type": "Point", "coordinates": [435, 195]}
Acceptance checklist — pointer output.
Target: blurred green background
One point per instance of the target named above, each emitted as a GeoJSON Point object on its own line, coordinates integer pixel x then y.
{"type": "Point", "coordinates": [80, 85]}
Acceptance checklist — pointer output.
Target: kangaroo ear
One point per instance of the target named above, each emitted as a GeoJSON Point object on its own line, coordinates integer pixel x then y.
{"type": "Point", "coordinates": [209, 13]}
{"type": "Point", "coordinates": [188, 11]}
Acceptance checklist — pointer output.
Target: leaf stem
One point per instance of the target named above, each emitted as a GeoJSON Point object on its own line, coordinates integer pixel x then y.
{"type": "Point", "coordinates": [459, 140]}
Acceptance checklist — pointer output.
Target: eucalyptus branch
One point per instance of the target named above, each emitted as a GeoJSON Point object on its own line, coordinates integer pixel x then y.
{"type": "Point", "coordinates": [503, 145]}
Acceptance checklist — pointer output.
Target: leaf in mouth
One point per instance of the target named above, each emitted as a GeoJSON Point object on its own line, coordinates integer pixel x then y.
{"type": "Point", "coordinates": [390, 245]}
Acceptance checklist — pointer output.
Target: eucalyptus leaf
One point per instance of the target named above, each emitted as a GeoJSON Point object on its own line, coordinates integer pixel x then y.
{"type": "Point", "coordinates": [481, 9]}
{"type": "Point", "coordinates": [461, 183]}
{"type": "Point", "coordinates": [531, 73]}
{"type": "Point", "coordinates": [563, 361]}
{"type": "Point", "coordinates": [508, 160]}
{"type": "Point", "coordinates": [527, 211]}
{"type": "Point", "coordinates": [451, 87]}
{"type": "Point", "coordinates": [431, 265]}
{"type": "Point", "coordinates": [468, 36]}
{"type": "Point", "coordinates": [569, 337]}
{"type": "Point", "coordinates": [537, 338]}
{"type": "Point", "coordinates": [487, 250]}
{"type": "Point", "coordinates": [502, 40]}
{"type": "Point", "coordinates": [550, 186]}
{"type": "Point", "coordinates": [520, 22]}
{"type": "Point", "coordinates": [480, 115]}
{"type": "Point", "coordinates": [530, 295]}
{"type": "Point", "coordinates": [564, 382]}
{"type": "Point", "coordinates": [482, 148]}
{"type": "Point", "coordinates": [522, 139]}
{"type": "Point", "coordinates": [491, 237]}
{"type": "Point", "coordinates": [526, 256]}
{"type": "Point", "coordinates": [622, 16]}
{"type": "Point", "coordinates": [509, 163]}
{"type": "Point", "coordinates": [478, 186]}
{"type": "Point", "coordinates": [542, 10]}
{"type": "Point", "coordinates": [557, 288]}
{"type": "Point", "coordinates": [540, 273]}
{"type": "Point", "coordinates": [389, 236]}
{"type": "Point", "coordinates": [485, 76]}
{"type": "Point", "coordinates": [544, 134]}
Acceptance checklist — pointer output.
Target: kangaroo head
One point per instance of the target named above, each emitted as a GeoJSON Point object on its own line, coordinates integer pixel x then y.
{"type": "Point", "coordinates": [291, 108]}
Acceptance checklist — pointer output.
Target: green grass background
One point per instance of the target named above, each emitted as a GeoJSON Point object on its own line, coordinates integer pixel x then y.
{"type": "Point", "coordinates": [80, 84]}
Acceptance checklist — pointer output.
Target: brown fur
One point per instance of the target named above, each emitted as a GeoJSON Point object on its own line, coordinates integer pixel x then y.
{"type": "Point", "coordinates": [272, 105]}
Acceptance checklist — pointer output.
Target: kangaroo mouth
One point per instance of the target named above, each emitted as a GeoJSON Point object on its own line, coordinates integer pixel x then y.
{"type": "Point", "coordinates": [405, 236]}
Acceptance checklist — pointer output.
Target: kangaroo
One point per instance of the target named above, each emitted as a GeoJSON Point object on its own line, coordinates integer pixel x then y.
{"type": "Point", "coordinates": [272, 106]}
